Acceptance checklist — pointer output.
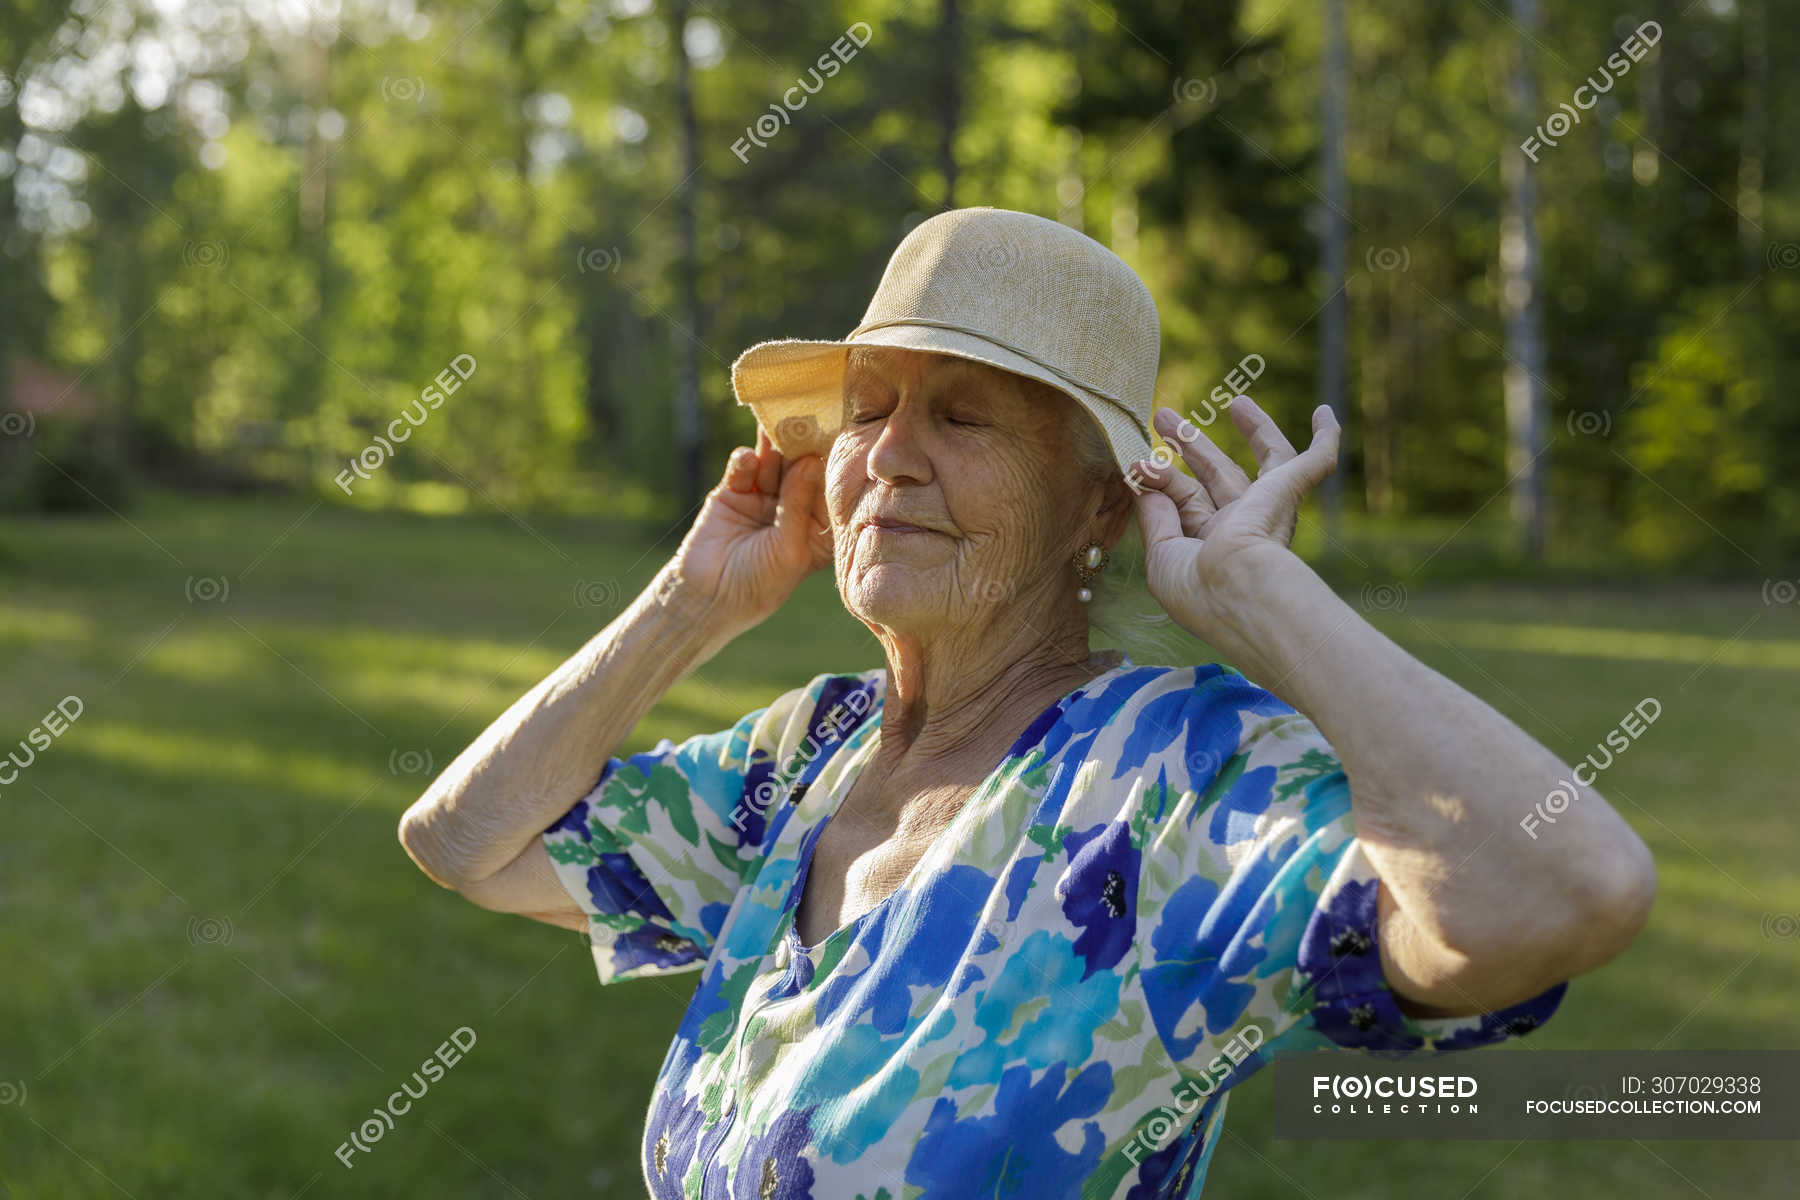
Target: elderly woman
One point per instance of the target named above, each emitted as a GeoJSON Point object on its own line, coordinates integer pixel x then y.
{"type": "Point", "coordinates": [969, 924]}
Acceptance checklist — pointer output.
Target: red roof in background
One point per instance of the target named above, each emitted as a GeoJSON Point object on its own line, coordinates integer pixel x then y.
{"type": "Point", "coordinates": [48, 392]}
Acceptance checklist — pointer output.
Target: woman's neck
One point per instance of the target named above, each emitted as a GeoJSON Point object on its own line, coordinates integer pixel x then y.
{"type": "Point", "coordinates": [954, 702]}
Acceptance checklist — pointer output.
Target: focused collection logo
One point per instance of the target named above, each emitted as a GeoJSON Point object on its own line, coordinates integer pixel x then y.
{"type": "Point", "coordinates": [1395, 1095]}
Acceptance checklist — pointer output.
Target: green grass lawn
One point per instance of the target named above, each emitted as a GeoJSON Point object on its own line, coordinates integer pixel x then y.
{"type": "Point", "coordinates": [218, 961]}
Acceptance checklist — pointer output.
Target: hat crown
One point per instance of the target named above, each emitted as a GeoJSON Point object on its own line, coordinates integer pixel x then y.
{"type": "Point", "coordinates": [1033, 285]}
{"type": "Point", "coordinates": [1017, 292]}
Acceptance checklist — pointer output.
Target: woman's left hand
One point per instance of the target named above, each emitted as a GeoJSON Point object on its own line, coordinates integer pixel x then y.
{"type": "Point", "coordinates": [1202, 535]}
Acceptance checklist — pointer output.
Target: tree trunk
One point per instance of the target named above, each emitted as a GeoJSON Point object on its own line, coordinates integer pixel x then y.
{"type": "Point", "coordinates": [1334, 253]}
{"type": "Point", "coordinates": [687, 354]}
{"type": "Point", "coordinates": [950, 52]}
{"type": "Point", "coordinates": [1753, 150]}
{"type": "Point", "coordinates": [314, 204]}
{"type": "Point", "coordinates": [524, 366]}
{"type": "Point", "coordinates": [1522, 302]}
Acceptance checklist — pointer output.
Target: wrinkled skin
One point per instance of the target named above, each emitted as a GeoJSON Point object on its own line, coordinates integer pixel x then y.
{"type": "Point", "coordinates": [982, 468]}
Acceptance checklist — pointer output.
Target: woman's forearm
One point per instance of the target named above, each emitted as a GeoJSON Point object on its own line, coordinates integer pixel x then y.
{"type": "Point", "coordinates": [545, 752]}
{"type": "Point", "coordinates": [1439, 783]}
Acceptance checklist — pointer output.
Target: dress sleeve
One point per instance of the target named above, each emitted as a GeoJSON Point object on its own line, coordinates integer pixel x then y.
{"type": "Point", "coordinates": [1257, 899]}
{"type": "Point", "coordinates": [657, 852]}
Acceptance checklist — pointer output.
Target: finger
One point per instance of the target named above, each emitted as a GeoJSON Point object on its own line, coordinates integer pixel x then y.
{"type": "Point", "coordinates": [1157, 516]}
{"type": "Point", "coordinates": [1223, 479]}
{"type": "Point", "coordinates": [1301, 474]}
{"type": "Point", "coordinates": [1322, 453]}
{"type": "Point", "coordinates": [768, 463]}
{"type": "Point", "coordinates": [1267, 442]}
{"type": "Point", "coordinates": [1192, 503]}
{"type": "Point", "coordinates": [794, 506]}
{"type": "Point", "coordinates": [740, 470]}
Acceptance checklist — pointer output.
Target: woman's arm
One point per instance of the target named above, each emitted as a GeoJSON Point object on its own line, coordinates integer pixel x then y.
{"type": "Point", "coordinates": [477, 828]}
{"type": "Point", "coordinates": [545, 752]}
{"type": "Point", "coordinates": [1475, 913]}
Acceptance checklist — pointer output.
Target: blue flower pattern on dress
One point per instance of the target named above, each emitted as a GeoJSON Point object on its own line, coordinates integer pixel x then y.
{"type": "Point", "coordinates": [1165, 858]}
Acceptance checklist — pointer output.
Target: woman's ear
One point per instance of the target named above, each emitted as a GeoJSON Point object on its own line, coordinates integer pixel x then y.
{"type": "Point", "coordinates": [1116, 507]}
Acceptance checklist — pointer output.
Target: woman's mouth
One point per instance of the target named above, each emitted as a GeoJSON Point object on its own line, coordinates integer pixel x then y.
{"type": "Point", "coordinates": [889, 525]}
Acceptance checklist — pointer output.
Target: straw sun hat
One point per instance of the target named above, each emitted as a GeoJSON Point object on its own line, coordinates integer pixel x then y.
{"type": "Point", "coordinates": [1013, 290]}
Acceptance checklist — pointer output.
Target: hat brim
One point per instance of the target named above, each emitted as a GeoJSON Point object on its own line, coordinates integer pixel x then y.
{"type": "Point", "coordinates": [796, 387]}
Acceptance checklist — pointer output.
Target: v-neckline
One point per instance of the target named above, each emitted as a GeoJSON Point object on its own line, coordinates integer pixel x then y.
{"type": "Point", "coordinates": [840, 790]}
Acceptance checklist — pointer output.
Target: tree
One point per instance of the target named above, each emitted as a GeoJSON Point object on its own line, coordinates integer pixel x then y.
{"type": "Point", "coordinates": [1334, 249]}
{"type": "Point", "coordinates": [1522, 302]}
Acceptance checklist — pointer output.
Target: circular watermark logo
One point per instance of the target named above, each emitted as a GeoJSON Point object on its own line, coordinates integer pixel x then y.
{"type": "Point", "coordinates": [209, 931]}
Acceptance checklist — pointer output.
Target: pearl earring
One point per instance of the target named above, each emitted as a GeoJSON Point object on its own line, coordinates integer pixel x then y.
{"type": "Point", "coordinates": [1089, 562]}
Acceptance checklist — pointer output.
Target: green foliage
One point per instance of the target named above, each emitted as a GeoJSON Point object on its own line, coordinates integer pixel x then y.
{"type": "Point", "coordinates": [263, 258]}
{"type": "Point", "coordinates": [1712, 434]}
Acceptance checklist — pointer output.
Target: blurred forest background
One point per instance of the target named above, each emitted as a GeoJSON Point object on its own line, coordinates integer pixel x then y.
{"type": "Point", "coordinates": [239, 241]}
{"type": "Point", "coordinates": [240, 238]}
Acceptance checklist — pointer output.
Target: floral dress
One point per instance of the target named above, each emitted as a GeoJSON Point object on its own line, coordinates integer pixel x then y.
{"type": "Point", "coordinates": [1157, 890]}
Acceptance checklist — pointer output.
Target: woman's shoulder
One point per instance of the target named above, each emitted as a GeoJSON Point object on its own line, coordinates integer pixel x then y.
{"type": "Point", "coordinates": [819, 714]}
{"type": "Point", "coordinates": [1218, 764]}
{"type": "Point", "coordinates": [1199, 716]}
{"type": "Point", "coordinates": [1203, 691]}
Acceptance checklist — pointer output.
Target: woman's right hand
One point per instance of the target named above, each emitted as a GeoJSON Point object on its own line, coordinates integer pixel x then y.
{"type": "Point", "coordinates": [761, 531]}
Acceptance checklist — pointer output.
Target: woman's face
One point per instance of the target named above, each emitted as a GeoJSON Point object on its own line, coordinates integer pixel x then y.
{"type": "Point", "coordinates": [955, 490]}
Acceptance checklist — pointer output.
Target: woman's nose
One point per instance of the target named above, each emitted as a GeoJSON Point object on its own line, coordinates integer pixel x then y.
{"type": "Point", "coordinates": [898, 455]}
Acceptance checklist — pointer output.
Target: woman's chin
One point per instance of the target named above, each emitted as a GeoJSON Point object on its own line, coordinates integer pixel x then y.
{"type": "Point", "coordinates": [896, 599]}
